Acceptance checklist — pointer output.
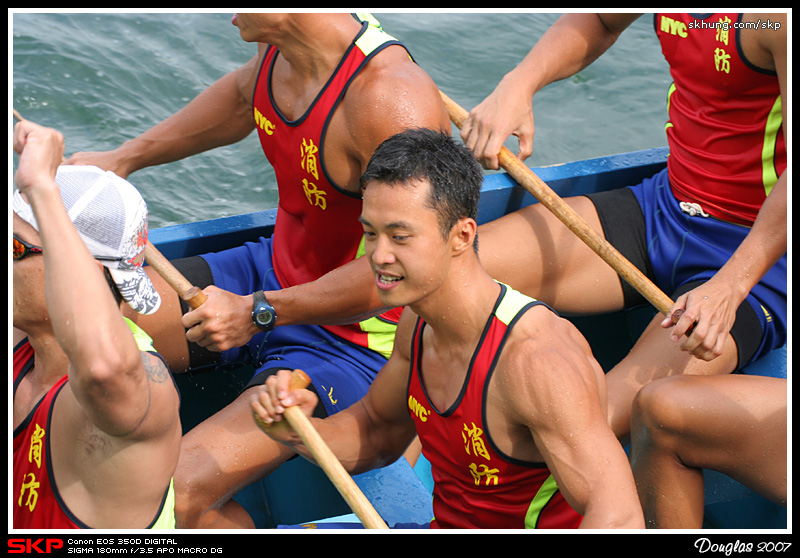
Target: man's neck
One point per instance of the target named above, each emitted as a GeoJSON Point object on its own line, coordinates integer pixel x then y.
{"type": "Point", "coordinates": [49, 366]}
{"type": "Point", "coordinates": [317, 46]}
{"type": "Point", "coordinates": [458, 311]}
{"type": "Point", "coordinates": [51, 362]}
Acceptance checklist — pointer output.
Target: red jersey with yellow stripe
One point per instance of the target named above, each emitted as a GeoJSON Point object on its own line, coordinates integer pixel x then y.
{"type": "Point", "coordinates": [725, 134]}
{"type": "Point", "coordinates": [35, 499]}
{"type": "Point", "coordinates": [317, 228]}
{"type": "Point", "coordinates": [476, 486]}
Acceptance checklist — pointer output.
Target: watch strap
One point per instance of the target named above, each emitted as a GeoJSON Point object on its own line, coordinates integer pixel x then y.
{"type": "Point", "coordinates": [259, 303]}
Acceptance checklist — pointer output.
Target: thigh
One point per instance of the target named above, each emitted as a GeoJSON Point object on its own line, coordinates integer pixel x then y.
{"type": "Point", "coordinates": [534, 252]}
{"type": "Point", "coordinates": [224, 454]}
{"type": "Point", "coordinates": [735, 424]}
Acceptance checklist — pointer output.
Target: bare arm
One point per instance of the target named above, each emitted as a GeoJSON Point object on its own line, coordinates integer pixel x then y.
{"type": "Point", "coordinates": [220, 115]}
{"type": "Point", "coordinates": [552, 388]}
{"type": "Point", "coordinates": [571, 44]}
{"type": "Point", "coordinates": [109, 376]}
{"type": "Point", "coordinates": [345, 295]}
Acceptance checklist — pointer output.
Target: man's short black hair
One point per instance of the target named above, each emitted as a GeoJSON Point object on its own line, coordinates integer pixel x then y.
{"type": "Point", "coordinates": [423, 154]}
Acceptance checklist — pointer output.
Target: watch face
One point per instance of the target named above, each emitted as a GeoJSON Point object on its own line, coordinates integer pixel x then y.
{"type": "Point", "coordinates": [264, 317]}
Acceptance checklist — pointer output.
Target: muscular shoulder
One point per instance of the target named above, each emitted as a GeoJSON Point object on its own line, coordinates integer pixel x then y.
{"type": "Point", "coordinates": [546, 360]}
{"type": "Point", "coordinates": [541, 332]}
{"type": "Point", "coordinates": [391, 94]}
{"type": "Point", "coordinates": [764, 40]}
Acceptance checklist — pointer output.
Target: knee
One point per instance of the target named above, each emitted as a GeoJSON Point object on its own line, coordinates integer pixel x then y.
{"type": "Point", "coordinates": [190, 501]}
{"type": "Point", "coordinates": [659, 413]}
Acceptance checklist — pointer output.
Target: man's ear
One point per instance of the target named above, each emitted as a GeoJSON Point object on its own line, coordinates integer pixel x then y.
{"type": "Point", "coordinates": [462, 235]}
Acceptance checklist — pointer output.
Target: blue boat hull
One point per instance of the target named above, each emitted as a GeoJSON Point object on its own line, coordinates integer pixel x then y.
{"type": "Point", "coordinates": [299, 493]}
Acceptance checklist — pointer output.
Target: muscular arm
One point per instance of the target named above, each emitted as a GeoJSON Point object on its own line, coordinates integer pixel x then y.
{"type": "Point", "coordinates": [107, 374]}
{"type": "Point", "coordinates": [552, 387]}
{"type": "Point", "coordinates": [571, 44]}
{"type": "Point", "coordinates": [345, 295]}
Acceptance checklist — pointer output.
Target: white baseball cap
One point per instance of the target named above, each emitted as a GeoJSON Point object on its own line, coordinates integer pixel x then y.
{"type": "Point", "coordinates": [111, 217]}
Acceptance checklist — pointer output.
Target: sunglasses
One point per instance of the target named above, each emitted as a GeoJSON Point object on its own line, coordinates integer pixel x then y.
{"type": "Point", "coordinates": [22, 249]}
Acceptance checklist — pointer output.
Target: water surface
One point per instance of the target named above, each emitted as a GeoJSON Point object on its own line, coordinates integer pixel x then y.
{"type": "Point", "coordinates": [103, 78]}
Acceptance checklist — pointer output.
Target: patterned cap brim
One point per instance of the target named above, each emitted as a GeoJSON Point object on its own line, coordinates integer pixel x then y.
{"type": "Point", "coordinates": [137, 289]}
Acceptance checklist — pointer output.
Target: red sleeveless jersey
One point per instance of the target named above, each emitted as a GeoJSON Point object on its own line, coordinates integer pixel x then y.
{"type": "Point", "coordinates": [35, 498]}
{"type": "Point", "coordinates": [475, 485]}
{"type": "Point", "coordinates": [35, 501]}
{"type": "Point", "coordinates": [725, 133]}
{"type": "Point", "coordinates": [317, 228]}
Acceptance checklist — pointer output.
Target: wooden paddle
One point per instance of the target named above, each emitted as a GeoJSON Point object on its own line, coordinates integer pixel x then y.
{"type": "Point", "coordinates": [326, 459]}
{"type": "Point", "coordinates": [188, 292]}
{"type": "Point", "coordinates": [542, 192]}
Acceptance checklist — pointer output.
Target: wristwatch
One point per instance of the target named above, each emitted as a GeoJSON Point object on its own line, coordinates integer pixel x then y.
{"type": "Point", "coordinates": [263, 312]}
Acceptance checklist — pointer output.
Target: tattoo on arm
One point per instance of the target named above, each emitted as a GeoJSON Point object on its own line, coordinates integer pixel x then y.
{"type": "Point", "coordinates": [155, 369]}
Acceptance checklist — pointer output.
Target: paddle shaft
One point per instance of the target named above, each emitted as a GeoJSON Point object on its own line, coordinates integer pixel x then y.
{"type": "Point", "coordinates": [188, 292]}
{"type": "Point", "coordinates": [542, 192]}
{"type": "Point", "coordinates": [328, 462]}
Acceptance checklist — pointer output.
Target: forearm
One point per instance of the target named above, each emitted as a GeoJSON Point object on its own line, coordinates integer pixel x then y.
{"type": "Point", "coordinates": [354, 440]}
{"type": "Point", "coordinates": [612, 516]}
{"type": "Point", "coordinates": [345, 295]}
{"type": "Point", "coordinates": [764, 245]}
{"type": "Point", "coordinates": [611, 501]}
{"type": "Point", "coordinates": [370, 433]}
{"type": "Point", "coordinates": [605, 494]}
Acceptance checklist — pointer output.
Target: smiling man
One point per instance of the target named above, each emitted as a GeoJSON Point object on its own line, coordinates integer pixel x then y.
{"type": "Point", "coordinates": [507, 400]}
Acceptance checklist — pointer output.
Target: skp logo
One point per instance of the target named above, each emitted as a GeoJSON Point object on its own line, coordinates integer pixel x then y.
{"type": "Point", "coordinates": [34, 546]}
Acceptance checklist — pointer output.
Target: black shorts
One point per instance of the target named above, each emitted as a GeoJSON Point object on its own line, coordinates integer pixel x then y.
{"type": "Point", "coordinates": [624, 227]}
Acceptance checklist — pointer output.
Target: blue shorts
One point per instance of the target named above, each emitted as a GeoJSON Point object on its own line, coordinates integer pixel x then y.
{"type": "Point", "coordinates": [679, 251]}
{"type": "Point", "coordinates": [340, 371]}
